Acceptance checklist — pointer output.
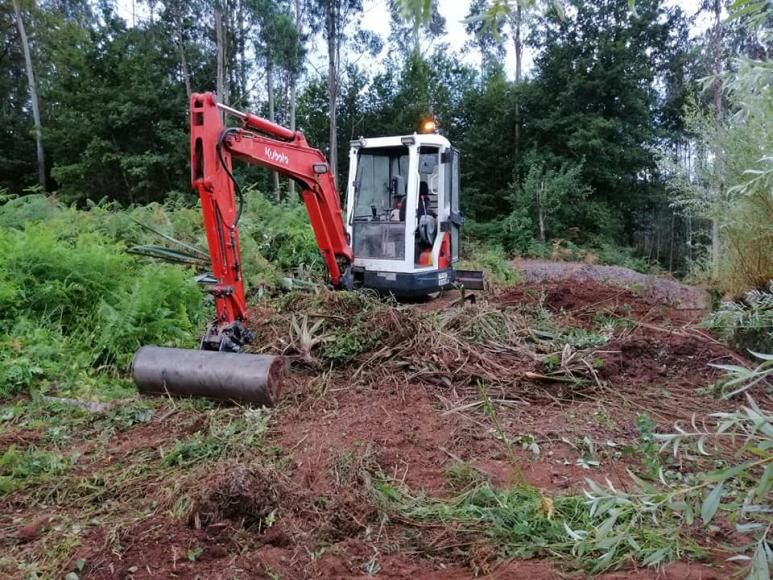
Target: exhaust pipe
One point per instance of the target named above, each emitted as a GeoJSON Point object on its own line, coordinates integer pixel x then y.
{"type": "Point", "coordinates": [252, 378]}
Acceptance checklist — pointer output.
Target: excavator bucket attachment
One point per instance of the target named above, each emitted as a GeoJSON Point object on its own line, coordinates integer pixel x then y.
{"type": "Point", "coordinates": [470, 279]}
{"type": "Point", "coordinates": [200, 373]}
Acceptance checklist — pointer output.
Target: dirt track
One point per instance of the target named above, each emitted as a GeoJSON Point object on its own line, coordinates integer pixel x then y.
{"type": "Point", "coordinates": [336, 428]}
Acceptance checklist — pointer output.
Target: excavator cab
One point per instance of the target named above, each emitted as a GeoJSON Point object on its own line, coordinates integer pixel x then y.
{"type": "Point", "coordinates": [403, 214]}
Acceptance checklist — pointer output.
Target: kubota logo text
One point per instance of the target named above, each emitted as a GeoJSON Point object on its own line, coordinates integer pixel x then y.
{"type": "Point", "coordinates": [277, 156]}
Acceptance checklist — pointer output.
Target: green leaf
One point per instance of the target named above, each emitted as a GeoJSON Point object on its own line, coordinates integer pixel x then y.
{"type": "Point", "coordinates": [766, 483]}
{"type": "Point", "coordinates": [727, 473]}
{"type": "Point", "coordinates": [711, 503]}
{"type": "Point", "coordinates": [760, 568]}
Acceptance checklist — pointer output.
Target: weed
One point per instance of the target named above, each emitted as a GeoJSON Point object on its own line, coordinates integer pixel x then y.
{"type": "Point", "coordinates": [523, 523]}
{"type": "Point", "coordinates": [353, 466]}
{"type": "Point", "coordinates": [462, 476]}
{"type": "Point", "coordinates": [494, 264]}
{"type": "Point", "coordinates": [344, 346]}
{"type": "Point", "coordinates": [181, 508]}
{"type": "Point", "coordinates": [741, 490]}
{"type": "Point", "coordinates": [603, 418]}
{"type": "Point", "coordinates": [517, 519]}
{"type": "Point", "coordinates": [747, 324]}
{"type": "Point", "coordinates": [583, 339]}
{"type": "Point", "coordinates": [552, 362]}
{"type": "Point", "coordinates": [529, 443]}
{"type": "Point", "coordinates": [740, 379]}
{"type": "Point", "coordinates": [229, 437]}
{"type": "Point", "coordinates": [303, 338]}
{"type": "Point", "coordinates": [491, 413]}
{"type": "Point", "coordinates": [588, 458]}
{"type": "Point", "coordinates": [647, 447]}
{"type": "Point", "coordinates": [19, 469]}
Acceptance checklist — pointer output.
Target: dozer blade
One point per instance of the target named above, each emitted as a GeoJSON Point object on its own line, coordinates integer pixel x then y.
{"type": "Point", "coordinates": [252, 378]}
{"type": "Point", "coordinates": [470, 279]}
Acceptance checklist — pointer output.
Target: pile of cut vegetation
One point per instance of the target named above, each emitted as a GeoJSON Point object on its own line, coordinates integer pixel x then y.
{"type": "Point", "coordinates": [526, 343]}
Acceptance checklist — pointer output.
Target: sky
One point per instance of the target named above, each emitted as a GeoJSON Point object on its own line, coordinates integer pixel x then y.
{"type": "Point", "coordinates": [376, 18]}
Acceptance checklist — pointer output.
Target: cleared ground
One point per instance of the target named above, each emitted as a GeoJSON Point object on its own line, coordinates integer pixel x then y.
{"type": "Point", "coordinates": [538, 387]}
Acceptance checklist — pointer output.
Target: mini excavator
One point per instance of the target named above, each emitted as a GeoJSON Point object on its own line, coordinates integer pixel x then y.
{"type": "Point", "coordinates": [400, 237]}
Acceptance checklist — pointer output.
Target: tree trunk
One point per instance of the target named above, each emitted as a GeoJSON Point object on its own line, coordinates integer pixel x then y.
{"type": "Point", "coordinates": [33, 95]}
{"type": "Point", "coordinates": [220, 87]}
{"type": "Point", "coordinates": [515, 24]}
{"type": "Point", "coordinates": [294, 89]}
{"type": "Point", "coordinates": [332, 84]}
{"type": "Point", "coordinates": [181, 49]}
{"type": "Point", "coordinates": [541, 211]}
{"type": "Point", "coordinates": [717, 86]}
{"type": "Point", "coordinates": [272, 117]}
{"type": "Point", "coordinates": [242, 55]}
{"type": "Point", "coordinates": [293, 107]}
{"type": "Point", "coordinates": [715, 247]}
{"type": "Point", "coordinates": [518, 45]}
{"type": "Point", "coordinates": [716, 65]}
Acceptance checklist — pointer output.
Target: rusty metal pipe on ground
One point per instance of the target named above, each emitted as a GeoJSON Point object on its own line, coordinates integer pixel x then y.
{"type": "Point", "coordinates": [252, 378]}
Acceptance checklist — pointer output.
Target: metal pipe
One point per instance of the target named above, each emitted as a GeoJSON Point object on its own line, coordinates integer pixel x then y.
{"type": "Point", "coordinates": [259, 123]}
{"type": "Point", "coordinates": [231, 111]}
{"type": "Point", "coordinates": [201, 373]}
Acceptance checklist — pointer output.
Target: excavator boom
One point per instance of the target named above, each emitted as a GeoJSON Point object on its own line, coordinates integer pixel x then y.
{"type": "Point", "coordinates": [260, 142]}
{"type": "Point", "coordinates": [264, 143]}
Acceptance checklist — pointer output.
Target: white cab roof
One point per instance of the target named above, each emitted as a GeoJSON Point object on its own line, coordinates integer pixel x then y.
{"type": "Point", "coordinates": [421, 139]}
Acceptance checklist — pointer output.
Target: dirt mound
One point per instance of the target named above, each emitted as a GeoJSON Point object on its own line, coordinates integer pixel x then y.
{"type": "Point", "coordinates": [246, 496]}
{"type": "Point", "coordinates": [663, 370]}
{"type": "Point", "coordinates": [586, 303]}
{"type": "Point", "coordinates": [663, 289]}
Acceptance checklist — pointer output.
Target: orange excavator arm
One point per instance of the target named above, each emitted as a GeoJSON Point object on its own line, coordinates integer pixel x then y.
{"type": "Point", "coordinates": [264, 143]}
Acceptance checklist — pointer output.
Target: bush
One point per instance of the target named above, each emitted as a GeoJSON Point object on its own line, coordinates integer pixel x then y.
{"type": "Point", "coordinates": [614, 255]}
{"type": "Point", "coordinates": [282, 233]}
{"type": "Point", "coordinates": [746, 324]}
{"type": "Point", "coordinates": [72, 300]}
{"type": "Point", "coordinates": [494, 264]}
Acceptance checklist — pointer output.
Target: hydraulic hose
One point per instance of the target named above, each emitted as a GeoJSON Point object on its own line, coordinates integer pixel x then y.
{"type": "Point", "coordinates": [237, 187]}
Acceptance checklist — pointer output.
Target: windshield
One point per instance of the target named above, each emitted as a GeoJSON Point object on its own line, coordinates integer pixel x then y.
{"type": "Point", "coordinates": [379, 211]}
{"type": "Point", "coordinates": [381, 178]}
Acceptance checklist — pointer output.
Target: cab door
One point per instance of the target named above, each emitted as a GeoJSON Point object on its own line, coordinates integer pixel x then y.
{"type": "Point", "coordinates": [455, 218]}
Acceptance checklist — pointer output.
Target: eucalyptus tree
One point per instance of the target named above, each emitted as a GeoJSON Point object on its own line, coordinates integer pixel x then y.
{"type": "Point", "coordinates": [300, 11]}
{"type": "Point", "coordinates": [517, 14]}
{"type": "Point", "coordinates": [410, 40]}
{"type": "Point", "coordinates": [33, 93]}
{"type": "Point", "coordinates": [335, 14]}
{"type": "Point", "coordinates": [277, 45]}
{"type": "Point", "coordinates": [486, 37]}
